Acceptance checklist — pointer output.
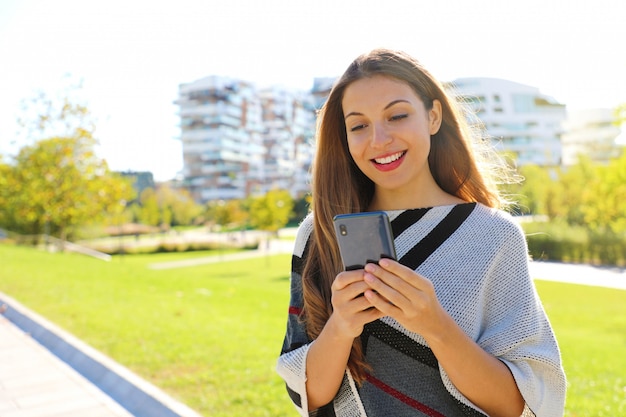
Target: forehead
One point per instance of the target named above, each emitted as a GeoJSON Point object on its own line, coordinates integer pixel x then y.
{"type": "Point", "coordinates": [378, 89]}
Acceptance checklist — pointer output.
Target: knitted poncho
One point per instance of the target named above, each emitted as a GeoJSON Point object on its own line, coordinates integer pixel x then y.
{"type": "Point", "coordinates": [477, 259]}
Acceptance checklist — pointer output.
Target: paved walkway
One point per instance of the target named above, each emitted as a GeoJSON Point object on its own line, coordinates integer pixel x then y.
{"type": "Point", "coordinates": [36, 383]}
{"type": "Point", "coordinates": [579, 274]}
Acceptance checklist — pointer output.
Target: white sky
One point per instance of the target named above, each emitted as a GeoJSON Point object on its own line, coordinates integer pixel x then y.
{"type": "Point", "coordinates": [133, 54]}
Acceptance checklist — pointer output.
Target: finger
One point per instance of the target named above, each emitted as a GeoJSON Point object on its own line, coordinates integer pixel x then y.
{"type": "Point", "coordinates": [388, 290]}
{"type": "Point", "coordinates": [343, 279]}
{"type": "Point", "coordinates": [387, 278]}
{"type": "Point", "coordinates": [371, 314]}
{"type": "Point", "coordinates": [351, 292]}
{"type": "Point", "coordinates": [405, 273]}
{"type": "Point", "coordinates": [381, 304]}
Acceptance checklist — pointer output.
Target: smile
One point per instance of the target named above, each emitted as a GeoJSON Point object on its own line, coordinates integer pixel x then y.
{"type": "Point", "coordinates": [390, 158]}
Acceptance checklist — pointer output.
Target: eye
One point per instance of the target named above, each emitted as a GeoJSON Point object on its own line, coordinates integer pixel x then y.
{"type": "Point", "coordinates": [357, 127]}
{"type": "Point", "coordinates": [398, 117]}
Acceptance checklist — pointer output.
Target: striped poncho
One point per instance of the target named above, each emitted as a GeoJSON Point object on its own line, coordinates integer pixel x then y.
{"type": "Point", "coordinates": [477, 259]}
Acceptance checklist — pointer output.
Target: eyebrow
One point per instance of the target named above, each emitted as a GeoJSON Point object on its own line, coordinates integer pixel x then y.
{"type": "Point", "coordinates": [393, 103]}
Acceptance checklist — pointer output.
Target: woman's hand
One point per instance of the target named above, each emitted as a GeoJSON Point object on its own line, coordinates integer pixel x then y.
{"type": "Point", "coordinates": [401, 293]}
{"type": "Point", "coordinates": [408, 297]}
{"type": "Point", "coordinates": [329, 354]}
{"type": "Point", "coordinates": [351, 310]}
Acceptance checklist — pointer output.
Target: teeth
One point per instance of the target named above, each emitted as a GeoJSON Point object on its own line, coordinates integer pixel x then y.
{"type": "Point", "coordinates": [389, 159]}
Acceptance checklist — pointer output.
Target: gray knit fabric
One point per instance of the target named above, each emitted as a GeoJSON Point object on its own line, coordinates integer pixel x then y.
{"type": "Point", "coordinates": [477, 259]}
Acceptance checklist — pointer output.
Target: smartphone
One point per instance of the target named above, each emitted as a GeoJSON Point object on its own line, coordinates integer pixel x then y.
{"type": "Point", "coordinates": [364, 238]}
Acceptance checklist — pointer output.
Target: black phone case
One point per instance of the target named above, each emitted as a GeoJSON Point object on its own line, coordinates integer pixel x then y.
{"type": "Point", "coordinates": [364, 238]}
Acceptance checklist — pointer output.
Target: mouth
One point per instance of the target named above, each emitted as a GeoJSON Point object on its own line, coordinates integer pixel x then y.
{"type": "Point", "coordinates": [389, 162]}
{"type": "Point", "coordinates": [389, 158]}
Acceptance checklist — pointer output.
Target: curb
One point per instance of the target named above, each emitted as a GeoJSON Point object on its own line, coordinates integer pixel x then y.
{"type": "Point", "coordinates": [136, 395]}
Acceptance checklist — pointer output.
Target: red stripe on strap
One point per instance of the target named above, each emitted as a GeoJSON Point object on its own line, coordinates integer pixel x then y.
{"type": "Point", "coordinates": [404, 398]}
{"type": "Point", "coordinates": [295, 310]}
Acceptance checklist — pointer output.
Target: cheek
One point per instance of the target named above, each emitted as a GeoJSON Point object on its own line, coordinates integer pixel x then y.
{"type": "Point", "coordinates": [355, 148]}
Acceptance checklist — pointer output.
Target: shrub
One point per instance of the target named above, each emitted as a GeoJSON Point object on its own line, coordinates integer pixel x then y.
{"type": "Point", "coordinates": [557, 241]}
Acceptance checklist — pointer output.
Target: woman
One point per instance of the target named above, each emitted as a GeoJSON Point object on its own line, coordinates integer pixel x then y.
{"type": "Point", "coordinates": [454, 328]}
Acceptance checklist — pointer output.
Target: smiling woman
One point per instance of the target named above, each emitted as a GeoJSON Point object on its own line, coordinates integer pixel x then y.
{"type": "Point", "coordinates": [388, 132]}
{"type": "Point", "coordinates": [454, 327]}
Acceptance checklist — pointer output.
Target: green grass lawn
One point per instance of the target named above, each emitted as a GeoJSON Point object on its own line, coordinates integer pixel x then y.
{"type": "Point", "coordinates": [590, 325]}
{"type": "Point", "coordinates": [209, 335]}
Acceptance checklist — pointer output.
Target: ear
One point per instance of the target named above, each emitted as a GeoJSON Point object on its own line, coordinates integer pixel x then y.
{"type": "Point", "coordinates": [434, 115]}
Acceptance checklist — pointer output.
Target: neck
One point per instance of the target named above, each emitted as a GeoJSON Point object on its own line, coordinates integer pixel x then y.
{"type": "Point", "coordinates": [401, 199]}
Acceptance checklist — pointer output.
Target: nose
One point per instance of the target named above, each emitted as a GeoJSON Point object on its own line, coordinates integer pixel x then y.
{"type": "Point", "coordinates": [380, 136]}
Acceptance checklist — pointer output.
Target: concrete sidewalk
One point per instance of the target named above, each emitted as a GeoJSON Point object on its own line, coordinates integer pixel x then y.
{"type": "Point", "coordinates": [597, 276]}
{"type": "Point", "coordinates": [34, 382]}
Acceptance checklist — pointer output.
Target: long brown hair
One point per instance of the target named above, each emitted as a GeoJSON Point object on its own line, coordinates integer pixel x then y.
{"type": "Point", "coordinates": [338, 186]}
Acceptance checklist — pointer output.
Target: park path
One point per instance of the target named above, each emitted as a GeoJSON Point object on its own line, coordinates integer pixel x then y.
{"type": "Point", "coordinates": [34, 382]}
{"type": "Point", "coordinates": [579, 274]}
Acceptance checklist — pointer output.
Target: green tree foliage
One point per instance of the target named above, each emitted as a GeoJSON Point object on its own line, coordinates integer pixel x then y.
{"type": "Point", "coordinates": [166, 207]}
{"type": "Point", "coordinates": [568, 199]}
{"type": "Point", "coordinates": [589, 195]}
{"type": "Point", "coordinates": [300, 210]}
{"type": "Point", "coordinates": [149, 212]}
{"type": "Point", "coordinates": [271, 211]}
{"type": "Point", "coordinates": [232, 214]}
{"type": "Point", "coordinates": [604, 208]}
{"type": "Point", "coordinates": [184, 210]}
{"type": "Point", "coordinates": [56, 182]}
{"type": "Point", "coordinates": [531, 195]}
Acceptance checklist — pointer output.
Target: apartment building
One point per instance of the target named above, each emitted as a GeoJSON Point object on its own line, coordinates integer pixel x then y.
{"type": "Point", "coordinates": [238, 140]}
{"type": "Point", "coordinates": [289, 122]}
{"type": "Point", "coordinates": [519, 119]}
{"type": "Point", "coordinates": [221, 134]}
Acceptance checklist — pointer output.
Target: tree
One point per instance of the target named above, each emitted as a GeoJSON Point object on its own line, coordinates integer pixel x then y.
{"type": "Point", "coordinates": [57, 184]}
{"type": "Point", "coordinates": [166, 206]}
{"type": "Point", "coordinates": [181, 208]}
{"type": "Point", "coordinates": [271, 211]}
{"type": "Point", "coordinates": [573, 192]}
{"type": "Point", "coordinates": [231, 213]}
{"type": "Point", "coordinates": [44, 117]}
{"type": "Point", "coordinates": [300, 209]}
{"type": "Point", "coordinates": [605, 207]}
{"type": "Point", "coordinates": [149, 213]}
{"type": "Point", "coordinates": [56, 181]}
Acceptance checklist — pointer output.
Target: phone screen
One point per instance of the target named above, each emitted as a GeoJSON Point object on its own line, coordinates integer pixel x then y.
{"type": "Point", "coordinates": [364, 238]}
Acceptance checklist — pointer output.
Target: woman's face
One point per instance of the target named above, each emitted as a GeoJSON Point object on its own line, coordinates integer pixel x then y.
{"type": "Point", "coordinates": [388, 130]}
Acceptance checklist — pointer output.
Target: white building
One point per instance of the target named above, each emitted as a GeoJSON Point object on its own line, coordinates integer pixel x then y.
{"type": "Point", "coordinates": [519, 119]}
{"type": "Point", "coordinates": [221, 134]}
{"type": "Point", "coordinates": [592, 133]}
{"type": "Point", "coordinates": [239, 141]}
{"type": "Point", "coordinates": [289, 123]}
